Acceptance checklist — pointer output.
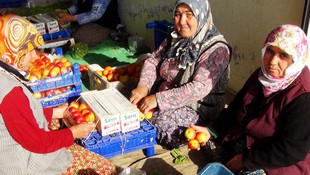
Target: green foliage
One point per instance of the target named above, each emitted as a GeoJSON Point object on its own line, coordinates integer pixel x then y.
{"type": "Point", "coordinates": [38, 9]}
{"type": "Point", "coordinates": [79, 50]}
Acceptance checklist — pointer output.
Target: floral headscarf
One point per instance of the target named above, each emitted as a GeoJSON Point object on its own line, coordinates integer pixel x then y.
{"type": "Point", "coordinates": [291, 39]}
{"type": "Point", "coordinates": [187, 50]}
{"type": "Point", "coordinates": [17, 37]}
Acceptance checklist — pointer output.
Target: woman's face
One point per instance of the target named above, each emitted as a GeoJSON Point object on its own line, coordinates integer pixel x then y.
{"type": "Point", "coordinates": [28, 57]}
{"type": "Point", "coordinates": [185, 21]}
{"type": "Point", "coordinates": [276, 61]}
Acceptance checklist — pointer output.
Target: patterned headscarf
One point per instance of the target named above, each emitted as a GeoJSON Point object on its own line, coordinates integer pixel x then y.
{"type": "Point", "coordinates": [291, 39]}
{"type": "Point", "coordinates": [17, 37]}
{"type": "Point", "coordinates": [187, 50]}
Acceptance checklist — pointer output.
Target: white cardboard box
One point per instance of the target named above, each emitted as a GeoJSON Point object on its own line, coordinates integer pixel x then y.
{"type": "Point", "coordinates": [51, 23]}
{"type": "Point", "coordinates": [39, 24]}
{"type": "Point", "coordinates": [108, 116]}
{"type": "Point", "coordinates": [128, 113]}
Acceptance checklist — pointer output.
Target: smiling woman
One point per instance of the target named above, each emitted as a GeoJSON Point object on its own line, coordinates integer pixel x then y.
{"type": "Point", "coordinates": [193, 73]}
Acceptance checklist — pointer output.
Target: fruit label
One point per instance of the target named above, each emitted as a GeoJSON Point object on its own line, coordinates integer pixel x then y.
{"type": "Point", "coordinates": [129, 114]}
{"type": "Point", "coordinates": [130, 121]}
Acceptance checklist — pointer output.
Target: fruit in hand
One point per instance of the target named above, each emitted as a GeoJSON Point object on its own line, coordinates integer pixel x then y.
{"type": "Point", "coordinates": [149, 114]}
{"type": "Point", "coordinates": [190, 133]}
{"type": "Point", "coordinates": [193, 144]}
{"type": "Point", "coordinates": [201, 137]}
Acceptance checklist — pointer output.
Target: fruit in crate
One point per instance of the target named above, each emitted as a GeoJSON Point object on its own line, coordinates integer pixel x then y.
{"type": "Point", "coordinates": [81, 112]}
{"type": "Point", "coordinates": [79, 50]}
{"type": "Point", "coordinates": [124, 74]}
{"type": "Point", "coordinates": [43, 67]}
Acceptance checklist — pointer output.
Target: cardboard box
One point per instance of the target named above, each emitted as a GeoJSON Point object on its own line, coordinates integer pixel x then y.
{"type": "Point", "coordinates": [51, 23]}
{"type": "Point", "coordinates": [128, 113]}
{"type": "Point", "coordinates": [40, 25]}
{"type": "Point", "coordinates": [108, 116]}
{"type": "Point", "coordinates": [114, 112]}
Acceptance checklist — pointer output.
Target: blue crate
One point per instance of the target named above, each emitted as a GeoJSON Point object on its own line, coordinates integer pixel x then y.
{"type": "Point", "coordinates": [55, 100]}
{"type": "Point", "coordinates": [65, 33]}
{"type": "Point", "coordinates": [161, 29]}
{"type": "Point", "coordinates": [215, 169]}
{"type": "Point", "coordinates": [72, 77]}
{"type": "Point", "coordinates": [122, 143]}
{"type": "Point", "coordinates": [12, 3]}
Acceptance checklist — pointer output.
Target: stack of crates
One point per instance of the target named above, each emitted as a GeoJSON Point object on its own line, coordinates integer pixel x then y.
{"type": "Point", "coordinates": [121, 143]}
{"type": "Point", "coordinates": [161, 29]}
{"type": "Point", "coordinates": [12, 3]}
{"type": "Point", "coordinates": [70, 79]}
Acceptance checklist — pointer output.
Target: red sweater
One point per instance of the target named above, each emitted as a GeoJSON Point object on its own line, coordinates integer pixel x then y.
{"type": "Point", "coordinates": [20, 122]}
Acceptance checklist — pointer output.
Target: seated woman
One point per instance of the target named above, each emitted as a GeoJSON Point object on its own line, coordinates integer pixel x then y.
{"type": "Point", "coordinates": [193, 70]}
{"type": "Point", "coordinates": [267, 125]}
{"type": "Point", "coordinates": [27, 144]}
{"type": "Point", "coordinates": [94, 20]}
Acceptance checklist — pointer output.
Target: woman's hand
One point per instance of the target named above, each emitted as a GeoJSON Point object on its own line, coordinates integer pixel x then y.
{"type": "Point", "coordinates": [202, 129]}
{"type": "Point", "coordinates": [148, 103]}
{"type": "Point", "coordinates": [66, 17]}
{"type": "Point", "coordinates": [138, 93]}
{"type": "Point", "coordinates": [58, 112]}
{"type": "Point", "coordinates": [235, 164]}
{"type": "Point", "coordinates": [82, 130]}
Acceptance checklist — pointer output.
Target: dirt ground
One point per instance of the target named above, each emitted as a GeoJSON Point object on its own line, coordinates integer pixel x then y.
{"type": "Point", "coordinates": [162, 162]}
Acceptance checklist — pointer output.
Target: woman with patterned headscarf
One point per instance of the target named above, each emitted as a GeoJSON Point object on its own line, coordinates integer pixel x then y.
{"type": "Point", "coordinates": [192, 66]}
{"type": "Point", "coordinates": [267, 126]}
{"type": "Point", "coordinates": [27, 143]}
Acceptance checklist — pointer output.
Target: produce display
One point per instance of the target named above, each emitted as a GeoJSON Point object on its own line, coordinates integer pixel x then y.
{"type": "Point", "coordinates": [81, 113]}
{"type": "Point", "coordinates": [195, 138]}
{"type": "Point", "coordinates": [54, 79]}
{"type": "Point", "coordinates": [124, 74]}
{"type": "Point", "coordinates": [43, 67]}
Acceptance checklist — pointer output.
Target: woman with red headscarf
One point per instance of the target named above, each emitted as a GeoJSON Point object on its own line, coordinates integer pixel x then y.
{"type": "Point", "coordinates": [27, 144]}
{"type": "Point", "coordinates": [267, 125]}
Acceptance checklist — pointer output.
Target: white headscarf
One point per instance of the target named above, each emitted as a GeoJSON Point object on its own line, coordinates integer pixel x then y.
{"type": "Point", "coordinates": [291, 39]}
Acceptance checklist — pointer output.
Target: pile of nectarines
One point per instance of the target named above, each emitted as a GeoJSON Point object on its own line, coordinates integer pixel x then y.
{"type": "Point", "coordinates": [51, 92]}
{"type": "Point", "coordinates": [122, 74]}
{"type": "Point", "coordinates": [195, 138]}
{"type": "Point", "coordinates": [42, 67]}
{"type": "Point", "coordinates": [81, 112]}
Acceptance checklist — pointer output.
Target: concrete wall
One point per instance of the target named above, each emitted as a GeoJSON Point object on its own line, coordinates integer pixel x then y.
{"type": "Point", "coordinates": [244, 23]}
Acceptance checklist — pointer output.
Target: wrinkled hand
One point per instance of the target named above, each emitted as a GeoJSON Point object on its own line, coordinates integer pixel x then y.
{"type": "Point", "coordinates": [138, 93]}
{"type": "Point", "coordinates": [202, 129]}
{"type": "Point", "coordinates": [235, 164]}
{"type": "Point", "coordinates": [58, 112]}
{"type": "Point", "coordinates": [66, 17]}
{"type": "Point", "coordinates": [148, 103]}
{"type": "Point", "coordinates": [82, 130]}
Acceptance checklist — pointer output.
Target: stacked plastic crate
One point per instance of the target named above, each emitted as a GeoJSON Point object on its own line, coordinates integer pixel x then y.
{"type": "Point", "coordinates": [122, 143]}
